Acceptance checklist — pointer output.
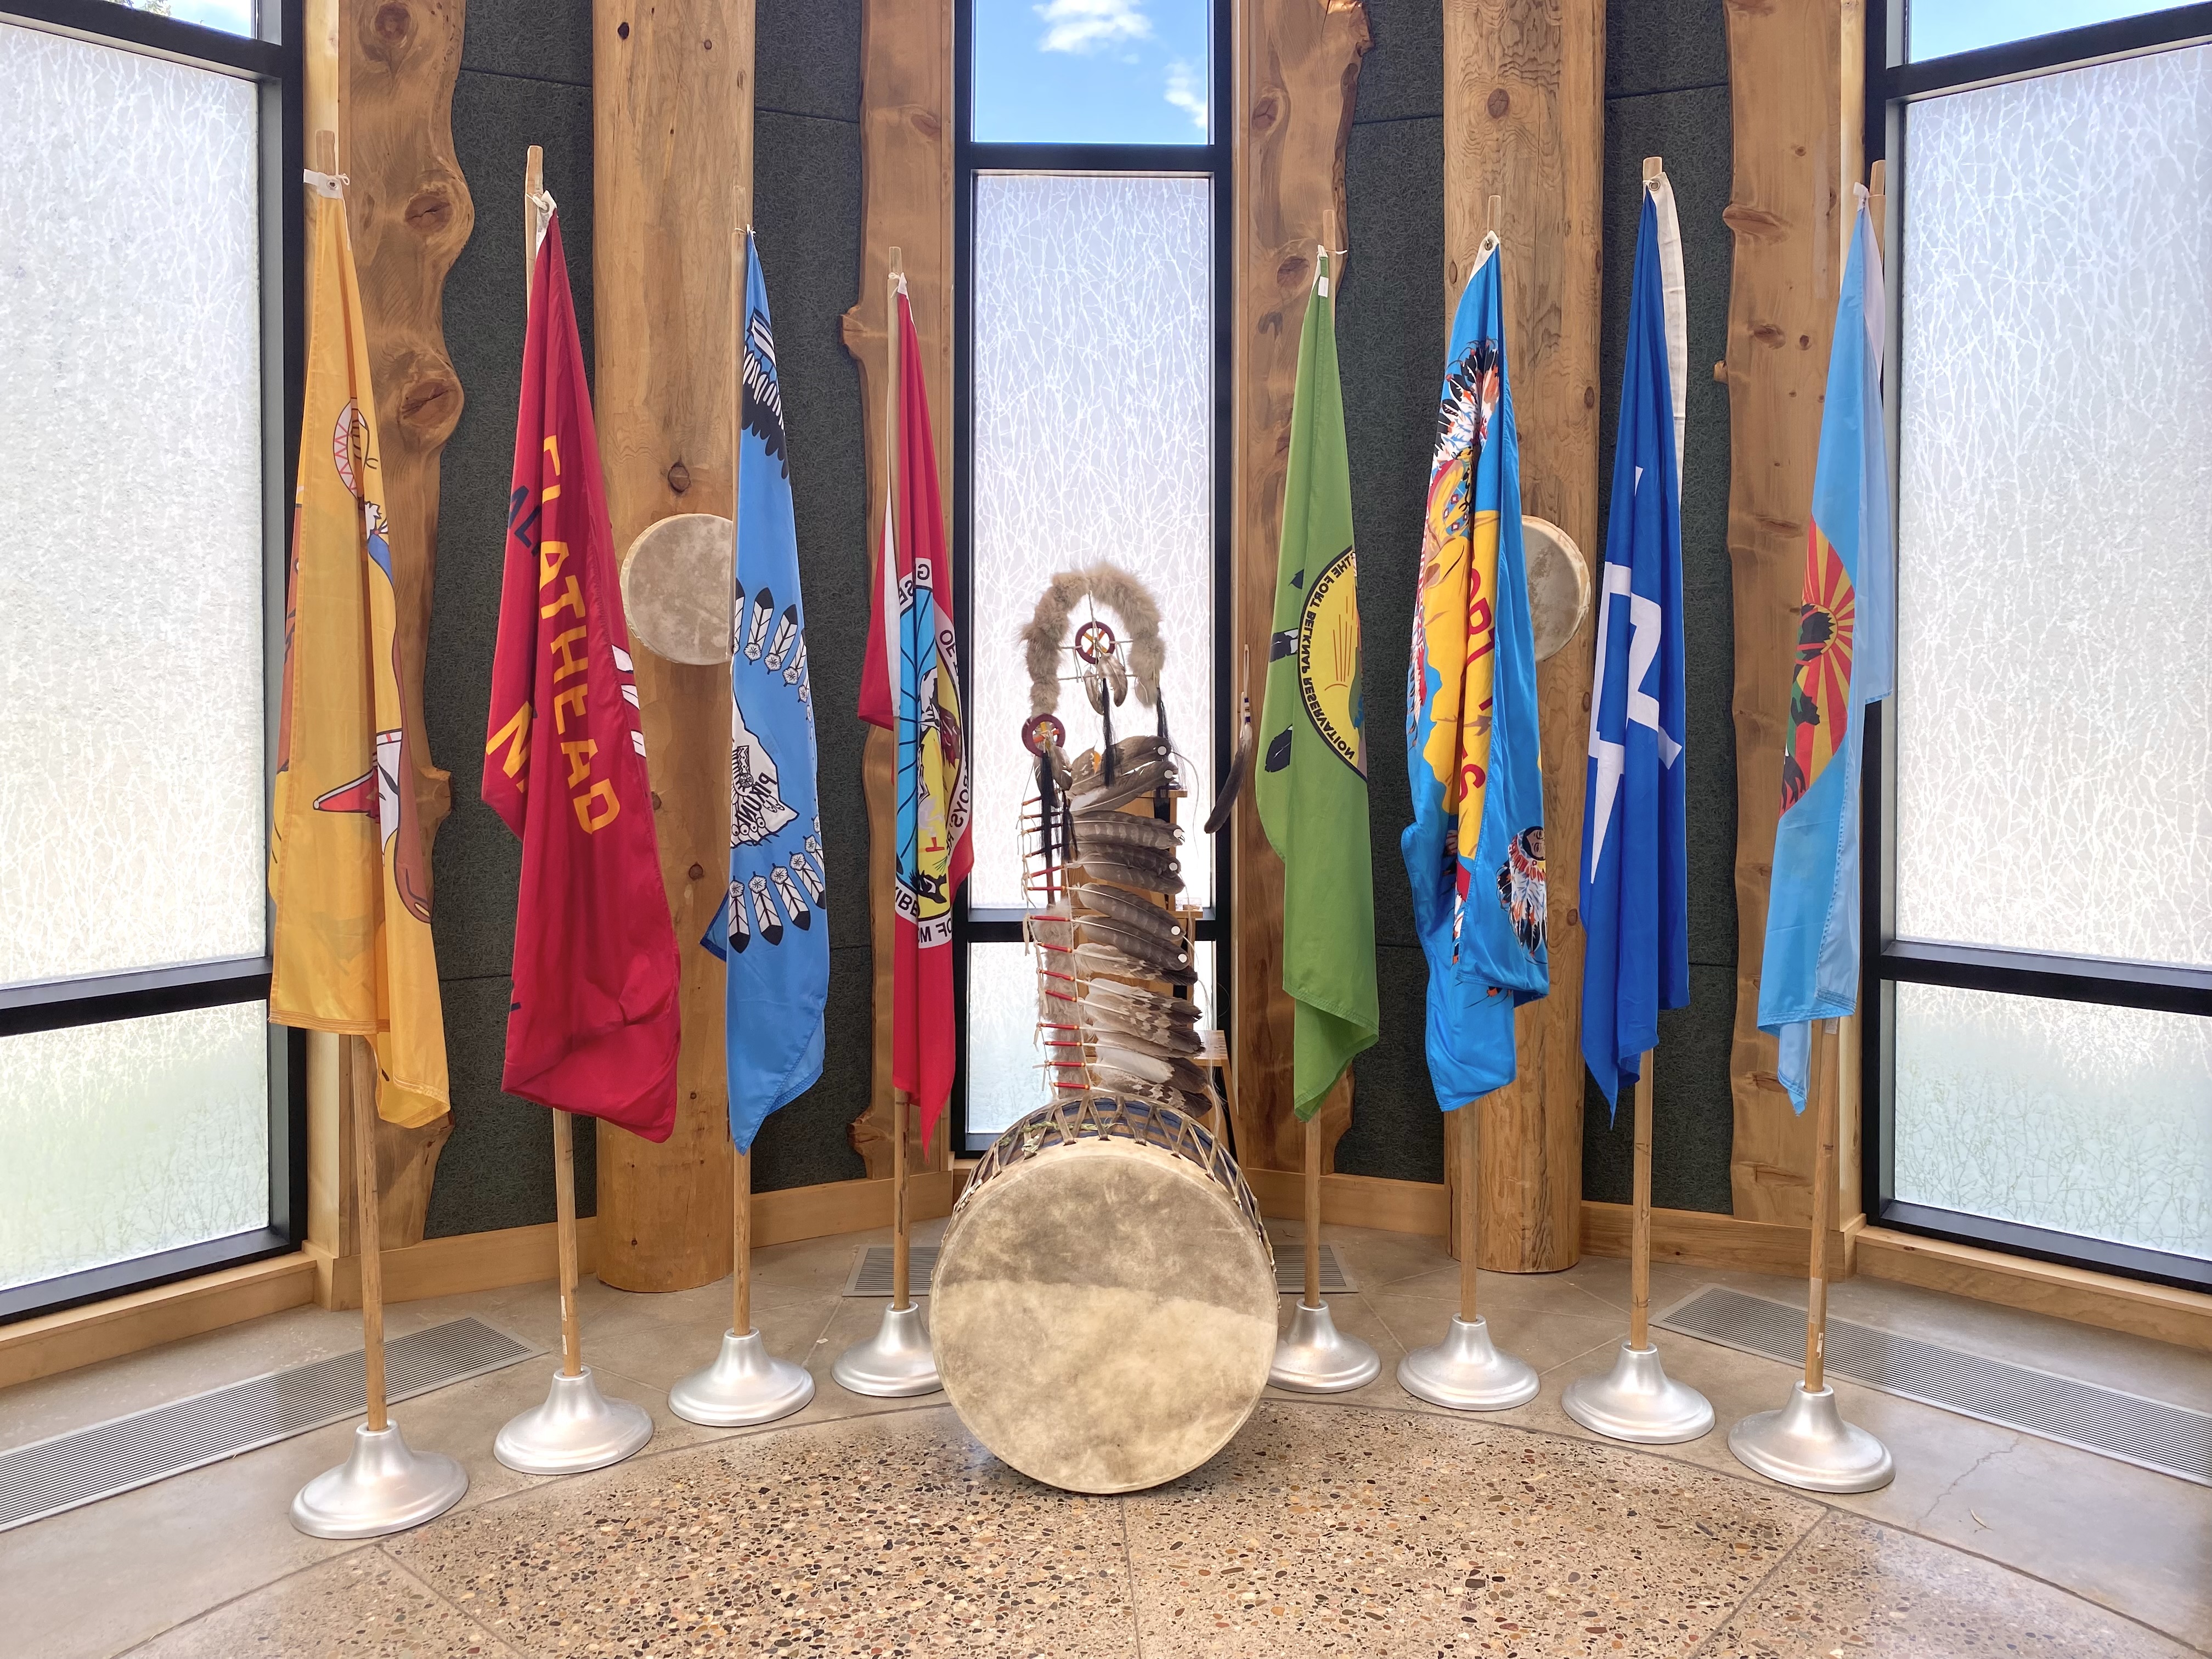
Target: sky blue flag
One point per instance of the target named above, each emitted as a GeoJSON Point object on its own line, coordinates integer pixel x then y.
{"type": "Point", "coordinates": [773, 930]}
{"type": "Point", "coordinates": [1635, 862]}
{"type": "Point", "coordinates": [1845, 659]}
{"type": "Point", "coordinates": [1475, 852]}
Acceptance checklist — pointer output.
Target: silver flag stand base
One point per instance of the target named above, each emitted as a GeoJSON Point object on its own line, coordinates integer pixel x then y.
{"type": "Point", "coordinates": [1314, 1358]}
{"type": "Point", "coordinates": [1808, 1444]}
{"type": "Point", "coordinates": [1466, 1373]}
{"type": "Point", "coordinates": [577, 1428]}
{"type": "Point", "coordinates": [383, 1486]}
{"type": "Point", "coordinates": [745, 1384]}
{"type": "Point", "coordinates": [1638, 1401]}
{"type": "Point", "coordinates": [895, 1362]}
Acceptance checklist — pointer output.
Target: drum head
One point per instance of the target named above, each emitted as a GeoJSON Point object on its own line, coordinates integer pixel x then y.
{"type": "Point", "coordinates": [1559, 584]}
{"type": "Point", "coordinates": [1104, 1316]}
{"type": "Point", "coordinates": [676, 587]}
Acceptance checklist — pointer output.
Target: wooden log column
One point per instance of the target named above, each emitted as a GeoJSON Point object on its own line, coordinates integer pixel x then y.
{"type": "Point", "coordinates": [381, 77]}
{"type": "Point", "coordinates": [1524, 120]}
{"type": "Point", "coordinates": [1795, 77]}
{"type": "Point", "coordinates": [1297, 66]}
{"type": "Point", "coordinates": [906, 202]}
{"type": "Point", "coordinates": [672, 101]}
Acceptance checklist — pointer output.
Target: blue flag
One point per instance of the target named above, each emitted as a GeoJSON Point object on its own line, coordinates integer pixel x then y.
{"type": "Point", "coordinates": [1845, 658]}
{"type": "Point", "coordinates": [1474, 851]}
{"type": "Point", "coordinates": [773, 930]}
{"type": "Point", "coordinates": [1635, 861]}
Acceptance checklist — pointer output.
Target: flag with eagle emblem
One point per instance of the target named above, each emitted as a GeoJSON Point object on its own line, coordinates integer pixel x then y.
{"type": "Point", "coordinates": [773, 930]}
{"type": "Point", "coordinates": [591, 1023]}
{"type": "Point", "coordinates": [1311, 789]}
{"type": "Point", "coordinates": [1845, 660]}
{"type": "Point", "coordinates": [349, 869]}
{"type": "Point", "coordinates": [910, 685]}
{"type": "Point", "coordinates": [1475, 852]}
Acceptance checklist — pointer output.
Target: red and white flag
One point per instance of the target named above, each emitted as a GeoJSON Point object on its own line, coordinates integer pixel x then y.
{"type": "Point", "coordinates": [593, 1026]}
{"type": "Point", "coordinates": [910, 685]}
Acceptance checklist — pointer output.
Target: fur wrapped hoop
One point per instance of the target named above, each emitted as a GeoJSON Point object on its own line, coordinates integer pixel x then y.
{"type": "Point", "coordinates": [1116, 590]}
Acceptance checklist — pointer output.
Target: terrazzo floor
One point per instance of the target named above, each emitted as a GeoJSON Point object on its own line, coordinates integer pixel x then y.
{"type": "Point", "coordinates": [1364, 1524]}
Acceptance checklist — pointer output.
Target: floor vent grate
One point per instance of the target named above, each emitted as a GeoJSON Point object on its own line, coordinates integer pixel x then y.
{"type": "Point", "coordinates": [872, 1270]}
{"type": "Point", "coordinates": [70, 1470]}
{"type": "Point", "coordinates": [2149, 1433]}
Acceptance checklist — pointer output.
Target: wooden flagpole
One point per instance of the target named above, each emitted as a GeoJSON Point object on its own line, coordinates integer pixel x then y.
{"type": "Point", "coordinates": [1640, 1234]}
{"type": "Point", "coordinates": [894, 343]}
{"type": "Point", "coordinates": [1470, 1177]}
{"type": "Point", "coordinates": [741, 1163]}
{"type": "Point", "coordinates": [564, 1128]}
{"type": "Point", "coordinates": [372, 1249]}
{"type": "Point", "coordinates": [1823, 1205]}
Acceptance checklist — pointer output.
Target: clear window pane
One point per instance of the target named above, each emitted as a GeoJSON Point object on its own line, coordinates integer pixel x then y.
{"type": "Point", "coordinates": [2054, 780]}
{"type": "Point", "coordinates": [1005, 1065]}
{"type": "Point", "coordinates": [131, 694]}
{"type": "Point", "coordinates": [1091, 71]}
{"type": "Point", "coordinates": [1094, 430]}
{"type": "Point", "coordinates": [133, 1136]}
{"type": "Point", "coordinates": [1937, 29]}
{"type": "Point", "coordinates": [2080, 1119]}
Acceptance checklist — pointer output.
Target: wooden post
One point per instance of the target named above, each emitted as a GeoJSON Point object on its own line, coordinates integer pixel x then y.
{"type": "Point", "coordinates": [1639, 1246]}
{"type": "Point", "coordinates": [1824, 1198]}
{"type": "Point", "coordinates": [1523, 120]}
{"type": "Point", "coordinates": [1795, 83]}
{"type": "Point", "coordinates": [365, 1120]}
{"type": "Point", "coordinates": [1470, 1184]}
{"type": "Point", "coordinates": [672, 102]}
{"type": "Point", "coordinates": [1296, 72]}
{"type": "Point", "coordinates": [901, 1248]}
{"type": "Point", "coordinates": [1313, 1211]}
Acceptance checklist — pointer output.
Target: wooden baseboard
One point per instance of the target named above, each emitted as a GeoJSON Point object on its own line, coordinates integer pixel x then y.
{"type": "Point", "coordinates": [1699, 1238]}
{"type": "Point", "coordinates": [105, 1330]}
{"type": "Point", "coordinates": [1349, 1201]}
{"type": "Point", "coordinates": [2184, 1317]}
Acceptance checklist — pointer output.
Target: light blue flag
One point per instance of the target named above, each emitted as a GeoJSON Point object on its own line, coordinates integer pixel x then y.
{"type": "Point", "coordinates": [1635, 861]}
{"type": "Point", "coordinates": [1474, 851]}
{"type": "Point", "coordinates": [773, 930]}
{"type": "Point", "coordinates": [1846, 657]}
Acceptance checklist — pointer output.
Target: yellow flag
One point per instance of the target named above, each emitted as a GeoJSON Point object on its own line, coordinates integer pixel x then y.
{"type": "Point", "coordinates": [348, 870]}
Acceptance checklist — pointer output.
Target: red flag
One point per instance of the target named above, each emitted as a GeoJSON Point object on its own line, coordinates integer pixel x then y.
{"type": "Point", "coordinates": [910, 684]}
{"type": "Point", "coordinates": [593, 1024]}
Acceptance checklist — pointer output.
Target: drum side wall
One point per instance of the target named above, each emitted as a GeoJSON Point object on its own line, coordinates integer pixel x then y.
{"type": "Point", "coordinates": [526, 78]}
{"type": "Point", "coordinates": [1667, 96]}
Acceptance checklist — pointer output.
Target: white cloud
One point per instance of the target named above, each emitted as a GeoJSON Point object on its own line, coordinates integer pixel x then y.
{"type": "Point", "coordinates": [1184, 92]}
{"type": "Point", "coordinates": [1084, 25]}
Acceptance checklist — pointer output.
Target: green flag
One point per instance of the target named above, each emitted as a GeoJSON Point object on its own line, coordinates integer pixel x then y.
{"type": "Point", "coordinates": [1312, 786]}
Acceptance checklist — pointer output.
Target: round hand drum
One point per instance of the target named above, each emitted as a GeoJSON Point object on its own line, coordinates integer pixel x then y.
{"type": "Point", "coordinates": [1103, 1305]}
{"type": "Point", "coordinates": [676, 587]}
{"type": "Point", "coordinates": [1559, 584]}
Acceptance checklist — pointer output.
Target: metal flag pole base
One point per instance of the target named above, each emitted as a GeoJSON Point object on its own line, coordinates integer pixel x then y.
{"type": "Point", "coordinates": [1314, 1357]}
{"type": "Point", "coordinates": [1808, 1444]}
{"type": "Point", "coordinates": [1638, 1401]}
{"type": "Point", "coordinates": [895, 1362]}
{"type": "Point", "coordinates": [386, 1486]}
{"type": "Point", "coordinates": [745, 1384]}
{"type": "Point", "coordinates": [1466, 1373]}
{"type": "Point", "coordinates": [577, 1428]}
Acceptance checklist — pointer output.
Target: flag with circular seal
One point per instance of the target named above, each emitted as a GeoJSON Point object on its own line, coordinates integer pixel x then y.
{"type": "Point", "coordinates": [1312, 783]}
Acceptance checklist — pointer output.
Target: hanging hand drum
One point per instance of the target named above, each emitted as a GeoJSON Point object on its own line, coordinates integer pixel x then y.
{"type": "Point", "coordinates": [1559, 584]}
{"type": "Point", "coordinates": [1103, 1305]}
{"type": "Point", "coordinates": [676, 587]}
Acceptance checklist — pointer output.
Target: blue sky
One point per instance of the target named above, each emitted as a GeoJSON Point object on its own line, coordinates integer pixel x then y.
{"type": "Point", "coordinates": [234, 16]}
{"type": "Point", "coordinates": [1937, 29]}
{"type": "Point", "coordinates": [1091, 71]}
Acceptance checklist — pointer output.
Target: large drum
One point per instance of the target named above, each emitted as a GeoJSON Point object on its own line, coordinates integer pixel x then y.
{"type": "Point", "coordinates": [1103, 1305]}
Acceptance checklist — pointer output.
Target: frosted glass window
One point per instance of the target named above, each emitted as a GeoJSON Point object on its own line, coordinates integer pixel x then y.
{"type": "Point", "coordinates": [1091, 71]}
{"type": "Point", "coordinates": [1094, 440]}
{"type": "Point", "coordinates": [1005, 1065]}
{"type": "Point", "coordinates": [2054, 776]}
{"type": "Point", "coordinates": [131, 694]}
{"type": "Point", "coordinates": [133, 1136]}
{"type": "Point", "coordinates": [1937, 29]}
{"type": "Point", "coordinates": [2081, 1119]}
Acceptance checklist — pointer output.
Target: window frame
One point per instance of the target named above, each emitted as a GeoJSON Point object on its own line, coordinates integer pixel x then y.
{"type": "Point", "coordinates": [272, 60]}
{"type": "Point", "coordinates": [1892, 86]}
{"type": "Point", "coordinates": [1214, 160]}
